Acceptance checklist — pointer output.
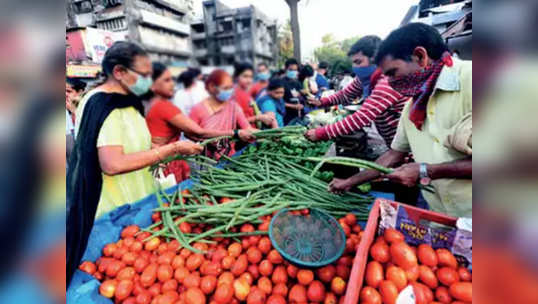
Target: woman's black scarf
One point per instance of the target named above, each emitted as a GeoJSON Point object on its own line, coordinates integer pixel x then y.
{"type": "Point", "coordinates": [84, 179]}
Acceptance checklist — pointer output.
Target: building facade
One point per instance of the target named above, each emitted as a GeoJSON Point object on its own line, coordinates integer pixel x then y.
{"type": "Point", "coordinates": [161, 26]}
{"type": "Point", "coordinates": [225, 36]}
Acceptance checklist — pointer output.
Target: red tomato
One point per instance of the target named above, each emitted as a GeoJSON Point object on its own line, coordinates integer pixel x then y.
{"type": "Point", "coordinates": [264, 226]}
{"type": "Point", "coordinates": [143, 298]}
{"type": "Point", "coordinates": [211, 268]}
{"type": "Point", "coordinates": [380, 252]}
{"type": "Point", "coordinates": [185, 227]}
{"type": "Point", "coordinates": [108, 288]}
{"type": "Point", "coordinates": [351, 219]}
{"type": "Point", "coordinates": [180, 274]}
{"type": "Point", "coordinates": [447, 276]}
{"type": "Point", "coordinates": [426, 255]}
{"type": "Point", "coordinates": [345, 226]}
{"type": "Point", "coordinates": [126, 273]}
{"type": "Point", "coordinates": [265, 268]}
{"type": "Point", "coordinates": [219, 254]}
{"type": "Point", "coordinates": [465, 274]}
{"type": "Point", "coordinates": [297, 294]}
{"type": "Point", "coordinates": [170, 285]}
{"type": "Point", "coordinates": [370, 295]}
{"type": "Point", "coordinates": [192, 280]}
{"type": "Point", "coordinates": [343, 271]}
{"type": "Point", "coordinates": [129, 231]}
{"type": "Point", "coordinates": [240, 265]}
{"type": "Point", "coordinates": [305, 277]}
{"type": "Point", "coordinates": [338, 285]}
{"type": "Point", "coordinates": [256, 296]}
{"type": "Point", "coordinates": [280, 289]}
{"type": "Point", "coordinates": [442, 295]}
{"type": "Point", "coordinates": [253, 270]}
{"type": "Point", "coordinates": [241, 289]}
{"type": "Point", "coordinates": [265, 285]}
{"type": "Point", "coordinates": [226, 278]}
{"type": "Point", "coordinates": [265, 245]}
{"type": "Point", "coordinates": [194, 296]}
{"type": "Point", "coordinates": [178, 261]}
{"type": "Point", "coordinates": [227, 262]}
{"type": "Point", "coordinates": [254, 255]}
{"type": "Point", "coordinates": [114, 267]}
{"type": "Point", "coordinates": [129, 258]}
{"type": "Point", "coordinates": [165, 273]}
{"type": "Point", "coordinates": [326, 274]}
{"type": "Point", "coordinates": [152, 244]}
{"type": "Point", "coordinates": [427, 276]}
{"type": "Point", "coordinates": [194, 261]}
{"type": "Point", "coordinates": [149, 275]}
{"type": "Point", "coordinates": [124, 289]}
{"type": "Point", "coordinates": [389, 292]}
{"type": "Point", "coordinates": [446, 258]}
{"type": "Point", "coordinates": [412, 273]}
{"type": "Point", "coordinates": [374, 274]}
{"type": "Point", "coordinates": [420, 296]}
{"type": "Point", "coordinates": [330, 298]}
{"type": "Point", "coordinates": [292, 271]}
{"type": "Point", "coordinates": [276, 299]}
{"type": "Point", "coordinates": [208, 284]}
{"type": "Point", "coordinates": [462, 291]}
{"type": "Point", "coordinates": [235, 250]}
{"type": "Point", "coordinates": [247, 277]}
{"type": "Point", "coordinates": [275, 257]}
{"type": "Point", "coordinates": [137, 246]}
{"type": "Point", "coordinates": [392, 235]}
{"type": "Point", "coordinates": [280, 275]}
{"type": "Point", "coordinates": [142, 236]}
{"type": "Point", "coordinates": [316, 292]}
{"type": "Point", "coordinates": [397, 276]}
{"type": "Point", "coordinates": [402, 255]}
{"type": "Point", "coordinates": [166, 257]}
{"type": "Point", "coordinates": [109, 249]}
{"type": "Point", "coordinates": [88, 267]}
{"type": "Point", "coordinates": [224, 294]}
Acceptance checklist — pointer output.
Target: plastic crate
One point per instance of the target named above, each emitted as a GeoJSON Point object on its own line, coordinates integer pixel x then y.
{"type": "Point", "coordinates": [356, 277]}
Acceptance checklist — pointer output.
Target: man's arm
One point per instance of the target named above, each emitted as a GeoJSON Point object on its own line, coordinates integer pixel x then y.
{"type": "Point", "coordinates": [348, 94]}
{"type": "Point", "coordinates": [409, 174]}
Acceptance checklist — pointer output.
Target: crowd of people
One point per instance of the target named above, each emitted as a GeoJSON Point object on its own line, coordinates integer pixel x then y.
{"type": "Point", "coordinates": [418, 96]}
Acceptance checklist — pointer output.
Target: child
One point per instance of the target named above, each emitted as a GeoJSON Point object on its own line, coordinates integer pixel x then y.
{"type": "Point", "coordinates": [273, 102]}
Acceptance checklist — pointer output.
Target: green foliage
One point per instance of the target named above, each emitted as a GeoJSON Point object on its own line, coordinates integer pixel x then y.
{"type": "Point", "coordinates": [335, 53]}
{"type": "Point", "coordinates": [285, 43]}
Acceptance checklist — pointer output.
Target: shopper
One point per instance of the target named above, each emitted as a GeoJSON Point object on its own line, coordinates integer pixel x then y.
{"type": "Point", "coordinates": [292, 92]}
{"type": "Point", "coordinates": [192, 92]}
{"type": "Point", "coordinates": [262, 80]}
{"type": "Point", "coordinates": [320, 77]}
{"type": "Point", "coordinates": [272, 102]}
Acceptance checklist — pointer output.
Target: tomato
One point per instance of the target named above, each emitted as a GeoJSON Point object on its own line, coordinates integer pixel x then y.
{"type": "Point", "coordinates": [442, 295]}
{"type": "Point", "coordinates": [226, 278]}
{"type": "Point", "coordinates": [351, 219]}
{"type": "Point", "coordinates": [427, 276]}
{"type": "Point", "coordinates": [280, 275]}
{"type": "Point", "coordinates": [374, 274]}
{"type": "Point", "coordinates": [155, 289]}
{"type": "Point", "coordinates": [240, 265]}
{"type": "Point", "coordinates": [108, 288]}
{"type": "Point", "coordinates": [245, 243]}
{"type": "Point", "coordinates": [447, 276]}
{"type": "Point", "coordinates": [265, 245]}
{"type": "Point", "coordinates": [88, 267]}
{"type": "Point", "coordinates": [412, 273]}
{"type": "Point", "coordinates": [380, 252]}
{"type": "Point", "coordinates": [465, 274]}
{"type": "Point", "coordinates": [142, 236]}
{"type": "Point", "coordinates": [345, 227]}
{"type": "Point", "coordinates": [247, 277]}
{"type": "Point", "coordinates": [241, 289]}
{"type": "Point", "coordinates": [143, 298]}
{"type": "Point", "coordinates": [326, 274]}
{"type": "Point", "coordinates": [305, 277]}
{"type": "Point", "coordinates": [392, 235]}
{"type": "Point", "coordinates": [462, 291]}
{"type": "Point", "coordinates": [292, 271]}
{"type": "Point", "coordinates": [343, 271]}
{"type": "Point", "coordinates": [397, 276]}
{"type": "Point", "coordinates": [253, 270]}
{"type": "Point", "coordinates": [137, 246]}
{"type": "Point", "coordinates": [330, 298]}
{"type": "Point", "coordinates": [224, 294]}
{"type": "Point", "coordinates": [194, 261]}
{"type": "Point", "coordinates": [235, 249]}
{"type": "Point", "coordinates": [316, 292]}
{"type": "Point", "coordinates": [126, 273]}
{"type": "Point", "coordinates": [338, 285]}
{"type": "Point", "coordinates": [426, 255]}
{"type": "Point", "coordinates": [123, 289]}
{"type": "Point", "coordinates": [201, 246]}
{"type": "Point", "coordinates": [149, 275]}
{"type": "Point", "coordinates": [402, 255]}
{"type": "Point", "coordinates": [192, 280]}
{"type": "Point", "coordinates": [129, 231]}
{"type": "Point", "coordinates": [254, 255]}
{"type": "Point", "coordinates": [166, 257]}
{"type": "Point", "coordinates": [256, 296]}
{"type": "Point", "coordinates": [194, 296]}
{"type": "Point", "coordinates": [170, 285]}
{"type": "Point", "coordinates": [219, 254]}
{"type": "Point", "coordinates": [264, 226]}
{"type": "Point", "coordinates": [420, 296]}
{"type": "Point", "coordinates": [208, 284]}
{"type": "Point", "coordinates": [211, 268]}
{"type": "Point", "coordinates": [98, 275]}
{"type": "Point", "coordinates": [180, 274]}
{"type": "Point", "coordinates": [370, 295]}
{"type": "Point", "coordinates": [389, 292]}
{"type": "Point", "coordinates": [152, 244]}
{"type": "Point", "coordinates": [280, 289]}
{"type": "Point", "coordinates": [178, 261]}
{"type": "Point", "coordinates": [129, 258]}
{"type": "Point", "coordinates": [109, 249]}
{"type": "Point", "coordinates": [297, 294]}
{"type": "Point", "coordinates": [247, 228]}
{"type": "Point", "coordinates": [265, 285]}
{"type": "Point", "coordinates": [275, 257]}
{"type": "Point", "coordinates": [265, 268]}
{"type": "Point", "coordinates": [165, 273]}
{"type": "Point", "coordinates": [345, 260]}
{"type": "Point", "coordinates": [227, 262]}
{"type": "Point", "coordinates": [114, 267]}
{"type": "Point", "coordinates": [185, 253]}
{"type": "Point", "coordinates": [118, 254]}
{"type": "Point", "coordinates": [276, 299]}
{"type": "Point", "coordinates": [446, 258]}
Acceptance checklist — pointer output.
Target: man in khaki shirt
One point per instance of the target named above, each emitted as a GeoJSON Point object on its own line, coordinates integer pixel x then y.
{"type": "Point", "coordinates": [435, 126]}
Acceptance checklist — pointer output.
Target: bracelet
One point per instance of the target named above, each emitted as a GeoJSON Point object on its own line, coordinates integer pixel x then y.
{"type": "Point", "coordinates": [158, 153]}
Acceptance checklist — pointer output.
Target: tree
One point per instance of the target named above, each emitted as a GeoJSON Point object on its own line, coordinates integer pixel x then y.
{"type": "Point", "coordinates": [285, 43]}
{"type": "Point", "coordinates": [335, 53]}
{"type": "Point", "coordinates": [294, 15]}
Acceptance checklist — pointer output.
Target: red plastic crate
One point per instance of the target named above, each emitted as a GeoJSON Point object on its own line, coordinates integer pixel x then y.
{"type": "Point", "coordinates": [356, 277]}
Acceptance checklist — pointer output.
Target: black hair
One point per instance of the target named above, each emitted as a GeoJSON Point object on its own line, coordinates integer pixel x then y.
{"type": "Point", "coordinates": [158, 70]}
{"type": "Point", "coordinates": [195, 72]}
{"type": "Point", "coordinates": [402, 42]}
{"type": "Point", "coordinates": [323, 65]}
{"type": "Point", "coordinates": [263, 63]}
{"type": "Point", "coordinates": [240, 67]}
{"type": "Point", "coordinates": [76, 84]}
{"type": "Point", "coordinates": [289, 62]}
{"type": "Point", "coordinates": [367, 45]}
{"type": "Point", "coordinates": [121, 53]}
{"type": "Point", "coordinates": [306, 71]}
{"type": "Point", "coordinates": [274, 84]}
{"type": "Point", "coordinates": [187, 77]}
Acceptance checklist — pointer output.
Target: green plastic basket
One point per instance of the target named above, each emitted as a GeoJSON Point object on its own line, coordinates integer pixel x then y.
{"type": "Point", "coordinates": [312, 240]}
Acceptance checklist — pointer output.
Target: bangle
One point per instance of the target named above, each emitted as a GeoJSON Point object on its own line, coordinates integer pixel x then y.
{"type": "Point", "coordinates": [158, 153]}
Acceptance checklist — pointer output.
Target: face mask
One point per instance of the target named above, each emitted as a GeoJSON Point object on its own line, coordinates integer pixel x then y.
{"type": "Point", "coordinates": [263, 76]}
{"type": "Point", "coordinates": [224, 95]}
{"type": "Point", "coordinates": [291, 74]}
{"type": "Point", "coordinates": [141, 86]}
{"type": "Point", "coordinates": [364, 74]}
{"type": "Point", "coordinates": [410, 85]}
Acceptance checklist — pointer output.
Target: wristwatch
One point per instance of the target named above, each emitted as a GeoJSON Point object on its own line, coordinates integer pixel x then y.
{"type": "Point", "coordinates": [423, 174]}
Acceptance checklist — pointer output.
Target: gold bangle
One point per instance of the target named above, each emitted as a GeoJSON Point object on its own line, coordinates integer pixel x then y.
{"type": "Point", "coordinates": [158, 153]}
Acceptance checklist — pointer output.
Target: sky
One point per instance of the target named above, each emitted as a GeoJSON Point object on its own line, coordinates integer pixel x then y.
{"type": "Point", "coordinates": [342, 18]}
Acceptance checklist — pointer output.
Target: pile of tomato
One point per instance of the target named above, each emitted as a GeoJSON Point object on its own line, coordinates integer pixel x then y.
{"type": "Point", "coordinates": [251, 271]}
{"type": "Point", "coordinates": [435, 275]}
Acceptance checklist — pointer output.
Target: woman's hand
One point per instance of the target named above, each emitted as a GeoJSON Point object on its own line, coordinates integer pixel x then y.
{"type": "Point", "coordinates": [187, 148]}
{"type": "Point", "coordinates": [267, 118]}
{"type": "Point", "coordinates": [246, 135]}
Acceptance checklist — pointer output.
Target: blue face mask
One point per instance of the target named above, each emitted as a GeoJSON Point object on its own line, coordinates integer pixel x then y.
{"type": "Point", "coordinates": [141, 86]}
{"type": "Point", "coordinates": [263, 76]}
{"type": "Point", "coordinates": [364, 74]}
{"type": "Point", "coordinates": [224, 95]}
{"type": "Point", "coordinates": [291, 74]}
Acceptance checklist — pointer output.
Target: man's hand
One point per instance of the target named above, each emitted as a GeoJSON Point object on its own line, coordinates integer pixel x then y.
{"type": "Point", "coordinates": [406, 175]}
{"type": "Point", "coordinates": [313, 101]}
{"type": "Point", "coordinates": [311, 135]}
{"type": "Point", "coordinates": [339, 185]}
{"type": "Point", "coordinates": [298, 107]}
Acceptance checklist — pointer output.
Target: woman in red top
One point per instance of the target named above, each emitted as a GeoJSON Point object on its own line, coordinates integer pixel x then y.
{"type": "Point", "coordinates": [166, 122]}
{"type": "Point", "coordinates": [243, 74]}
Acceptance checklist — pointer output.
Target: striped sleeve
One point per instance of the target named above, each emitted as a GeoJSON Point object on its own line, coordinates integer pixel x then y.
{"type": "Point", "coordinates": [382, 98]}
{"type": "Point", "coordinates": [348, 94]}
